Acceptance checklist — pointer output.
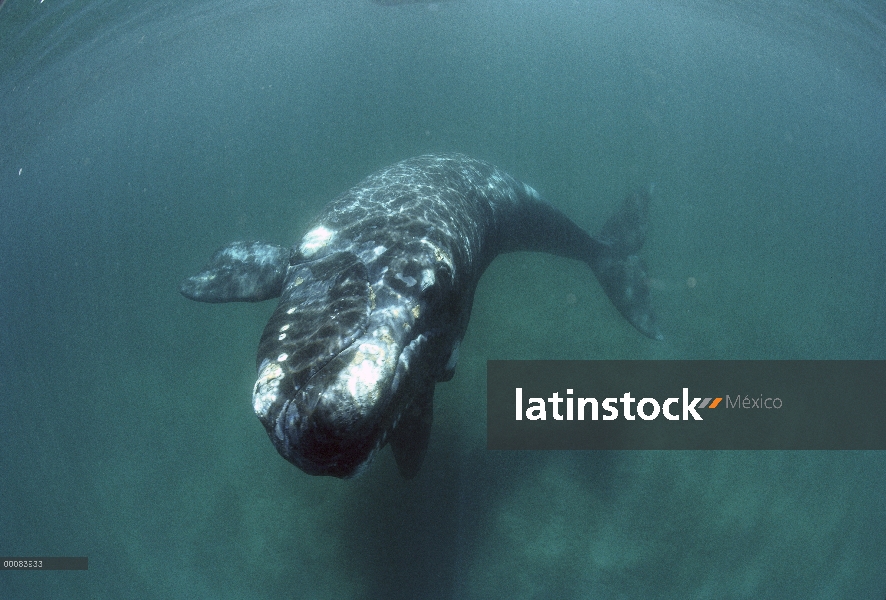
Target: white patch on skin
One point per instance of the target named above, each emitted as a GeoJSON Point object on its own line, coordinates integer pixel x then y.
{"type": "Point", "coordinates": [364, 372]}
{"type": "Point", "coordinates": [264, 394]}
{"type": "Point", "coordinates": [314, 240]}
{"type": "Point", "coordinates": [408, 280]}
{"type": "Point", "coordinates": [427, 279]}
{"type": "Point", "coordinates": [369, 370]}
{"type": "Point", "coordinates": [238, 253]}
{"type": "Point", "coordinates": [363, 376]}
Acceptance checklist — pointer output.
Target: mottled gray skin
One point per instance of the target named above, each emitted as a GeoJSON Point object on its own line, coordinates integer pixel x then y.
{"type": "Point", "coordinates": [376, 297]}
{"type": "Point", "coordinates": [240, 272]}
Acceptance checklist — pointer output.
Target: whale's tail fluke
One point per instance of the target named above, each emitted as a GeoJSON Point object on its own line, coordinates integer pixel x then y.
{"type": "Point", "coordinates": [619, 268]}
{"type": "Point", "coordinates": [614, 255]}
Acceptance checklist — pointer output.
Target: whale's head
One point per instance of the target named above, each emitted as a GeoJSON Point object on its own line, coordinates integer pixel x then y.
{"type": "Point", "coordinates": [345, 356]}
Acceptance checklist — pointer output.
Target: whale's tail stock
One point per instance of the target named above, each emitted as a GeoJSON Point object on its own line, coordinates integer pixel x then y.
{"type": "Point", "coordinates": [613, 254]}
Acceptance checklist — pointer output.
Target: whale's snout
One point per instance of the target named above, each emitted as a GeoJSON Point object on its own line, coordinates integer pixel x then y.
{"type": "Point", "coordinates": [336, 421]}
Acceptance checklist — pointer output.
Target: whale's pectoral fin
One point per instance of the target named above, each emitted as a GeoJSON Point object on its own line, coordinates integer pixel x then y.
{"type": "Point", "coordinates": [619, 268]}
{"type": "Point", "coordinates": [409, 440]}
{"type": "Point", "coordinates": [240, 272]}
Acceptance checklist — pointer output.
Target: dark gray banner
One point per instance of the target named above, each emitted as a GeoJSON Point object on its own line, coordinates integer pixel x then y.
{"type": "Point", "coordinates": [686, 405]}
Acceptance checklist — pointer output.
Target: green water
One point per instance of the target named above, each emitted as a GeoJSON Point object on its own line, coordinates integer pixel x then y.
{"type": "Point", "coordinates": [136, 138]}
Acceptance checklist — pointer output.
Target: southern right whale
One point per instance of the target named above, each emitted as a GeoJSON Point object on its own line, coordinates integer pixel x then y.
{"type": "Point", "coordinates": [376, 297]}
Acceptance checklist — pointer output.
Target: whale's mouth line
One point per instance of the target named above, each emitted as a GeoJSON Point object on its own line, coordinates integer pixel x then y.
{"type": "Point", "coordinates": [321, 369]}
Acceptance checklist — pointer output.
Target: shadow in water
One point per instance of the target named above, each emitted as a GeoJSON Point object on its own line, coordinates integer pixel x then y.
{"type": "Point", "coordinates": [418, 538]}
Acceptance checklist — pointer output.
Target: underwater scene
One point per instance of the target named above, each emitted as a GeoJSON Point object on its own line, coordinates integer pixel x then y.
{"type": "Point", "coordinates": [137, 138]}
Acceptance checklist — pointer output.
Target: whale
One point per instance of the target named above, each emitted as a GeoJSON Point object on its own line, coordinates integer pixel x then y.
{"type": "Point", "coordinates": [375, 299]}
